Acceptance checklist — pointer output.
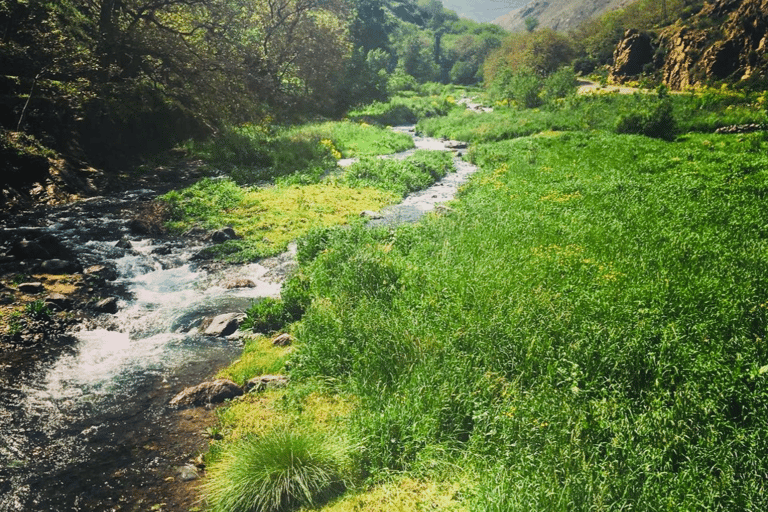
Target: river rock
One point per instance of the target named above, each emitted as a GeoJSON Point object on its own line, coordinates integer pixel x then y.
{"type": "Point", "coordinates": [29, 250]}
{"type": "Point", "coordinates": [31, 288]}
{"type": "Point", "coordinates": [368, 214]}
{"type": "Point", "coordinates": [224, 325]}
{"type": "Point", "coordinates": [140, 226]}
{"type": "Point", "coordinates": [263, 382]}
{"type": "Point", "coordinates": [108, 305]}
{"type": "Point", "coordinates": [124, 243]}
{"type": "Point", "coordinates": [188, 473]}
{"type": "Point", "coordinates": [107, 273]}
{"type": "Point", "coordinates": [282, 340]}
{"type": "Point", "coordinates": [59, 302]}
{"type": "Point", "coordinates": [213, 392]}
{"type": "Point", "coordinates": [222, 235]}
{"type": "Point", "coordinates": [57, 266]}
{"type": "Point", "coordinates": [239, 283]}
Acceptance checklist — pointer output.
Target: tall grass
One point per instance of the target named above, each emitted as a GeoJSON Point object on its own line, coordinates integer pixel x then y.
{"type": "Point", "coordinates": [586, 328]}
{"type": "Point", "coordinates": [280, 470]}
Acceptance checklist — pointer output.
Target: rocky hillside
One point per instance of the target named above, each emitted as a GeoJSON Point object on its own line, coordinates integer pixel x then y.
{"type": "Point", "coordinates": [726, 40]}
{"type": "Point", "coordinates": [561, 15]}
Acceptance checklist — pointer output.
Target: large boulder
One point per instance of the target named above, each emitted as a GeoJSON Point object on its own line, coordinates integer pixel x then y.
{"type": "Point", "coordinates": [206, 393]}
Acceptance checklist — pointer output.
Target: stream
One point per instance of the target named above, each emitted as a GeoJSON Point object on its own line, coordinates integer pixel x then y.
{"type": "Point", "coordinates": [84, 422]}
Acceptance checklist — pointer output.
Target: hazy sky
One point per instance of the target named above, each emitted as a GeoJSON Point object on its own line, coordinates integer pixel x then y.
{"type": "Point", "coordinates": [483, 10]}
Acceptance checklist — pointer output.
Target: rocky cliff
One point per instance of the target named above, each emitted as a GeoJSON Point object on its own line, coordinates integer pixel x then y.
{"type": "Point", "coordinates": [561, 15]}
{"type": "Point", "coordinates": [727, 40]}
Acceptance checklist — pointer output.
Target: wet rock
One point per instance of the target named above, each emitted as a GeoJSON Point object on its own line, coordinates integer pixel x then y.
{"type": "Point", "coordinates": [27, 250]}
{"type": "Point", "coordinates": [55, 247]}
{"type": "Point", "coordinates": [59, 302]}
{"type": "Point", "coordinates": [224, 325]}
{"type": "Point", "coordinates": [222, 235]}
{"type": "Point", "coordinates": [140, 227]}
{"type": "Point", "coordinates": [455, 144]}
{"type": "Point", "coordinates": [31, 288]}
{"type": "Point", "coordinates": [368, 214]}
{"type": "Point", "coordinates": [162, 251]}
{"type": "Point", "coordinates": [263, 382]}
{"type": "Point", "coordinates": [105, 272]}
{"type": "Point", "coordinates": [188, 473]}
{"type": "Point", "coordinates": [282, 340]}
{"type": "Point", "coordinates": [213, 392]}
{"type": "Point", "coordinates": [239, 283]}
{"type": "Point", "coordinates": [124, 243]}
{"type": "Point", "coordinates": [56, 266]}
{"type": "Point", "coordinates": [108, 305]}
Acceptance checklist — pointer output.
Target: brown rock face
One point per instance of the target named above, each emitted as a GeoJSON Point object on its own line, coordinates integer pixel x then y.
{"type": "Point", "coordinates": [633, 52]}
{"type": "Point", "coordinates": [731, 44]}
{"type": "Point", "coordinates": [683, 51]}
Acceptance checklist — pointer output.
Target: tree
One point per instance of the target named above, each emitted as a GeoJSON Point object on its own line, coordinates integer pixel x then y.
{"type": "Point", "coordinates": [531, 23]}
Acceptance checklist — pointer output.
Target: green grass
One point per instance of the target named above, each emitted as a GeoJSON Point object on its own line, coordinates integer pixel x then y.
{"type": "Point", "coordinates": [268, 218]}
{"type": "Point", "coordinates": [417, 172]}
{"type": "Point", "coordinates": [585, 331]}
{"type": "Point", "coordinates": [402, 110]}
{"type": "Point", "coordinates": [253, 154]}
{"type": "Point", "coordinates": [259, 357]}
{"type": "Point", "coordinates": [690, 112]}
{"type": "Point", "coordinates": [279, 470]}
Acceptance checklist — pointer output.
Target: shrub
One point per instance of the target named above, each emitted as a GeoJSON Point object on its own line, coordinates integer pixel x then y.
{"type": "Point", "coordinates": [281, 470]}
{"type": "Point", "coordinates": [521, 86]}
{"type": "Point", "coordinates": [560, 84]}
{"type": "Point", "coordinates": [654, 120]}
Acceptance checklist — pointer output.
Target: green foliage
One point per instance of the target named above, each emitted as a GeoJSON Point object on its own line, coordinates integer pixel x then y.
{"type": "Point", "coordinates": [280, 470]}
{"type": "Point", "coordinates": [270, 314]}
{"type": "Point", "coordinates": [402, 110]}
{"type": "Point", "coordinates": [37, 309]}
{"type": "Point", "coordinates": [266, 315]}
{"type": "Point", "coordinates": [205, 201]}
{"type": "Point", "coordinates": [584, 330]}
{"type": "Point", "coordinates": [652, 119]}
{"type": "Point", "coordinates": [560, 84]}
{"type": "Point", "coordinates": [600, 112]}
{"type": "Point", "coordinates": [416, 172]}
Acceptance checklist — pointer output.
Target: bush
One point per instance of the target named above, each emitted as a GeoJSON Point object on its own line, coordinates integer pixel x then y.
{"type": "Point", "coordinates": [655, 120]}
{"type": "Point", "coordinates": [281, 470]}
{"type": "Point", "coordinates": [560, 84]}
{"type": "Point", "coordinates": [521, 86]}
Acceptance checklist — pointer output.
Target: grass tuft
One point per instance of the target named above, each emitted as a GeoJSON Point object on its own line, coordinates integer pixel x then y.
{"type": "Point", "coordinates": [280, 470]}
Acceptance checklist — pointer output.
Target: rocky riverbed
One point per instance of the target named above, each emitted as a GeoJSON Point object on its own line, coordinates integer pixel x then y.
{"type": "Point", "coordinates": [106, 320]}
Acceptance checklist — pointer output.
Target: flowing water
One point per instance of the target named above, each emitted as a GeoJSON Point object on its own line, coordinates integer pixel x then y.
{"type": "Point", "coordinates": [80, 420]}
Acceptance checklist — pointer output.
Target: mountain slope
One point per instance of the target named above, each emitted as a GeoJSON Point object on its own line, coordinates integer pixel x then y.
{"type": "Point", "coordinates": [560, 15]}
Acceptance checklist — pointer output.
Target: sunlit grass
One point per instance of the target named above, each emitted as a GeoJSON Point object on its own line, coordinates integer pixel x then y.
{"type": "Point", "coordinates": [351, 139]}
{"type": "Point", "coordinates": [403, 495]}
{"type": "Point", "coordinates": [259, 357]}
{"type": "Point", "coordinates": [268, 218]}
{"type": "Point", "coordinates": [588, 323]}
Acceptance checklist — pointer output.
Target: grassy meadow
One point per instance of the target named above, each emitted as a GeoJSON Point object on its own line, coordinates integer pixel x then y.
{"type": "Point", "coordinates": [583, 329]}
